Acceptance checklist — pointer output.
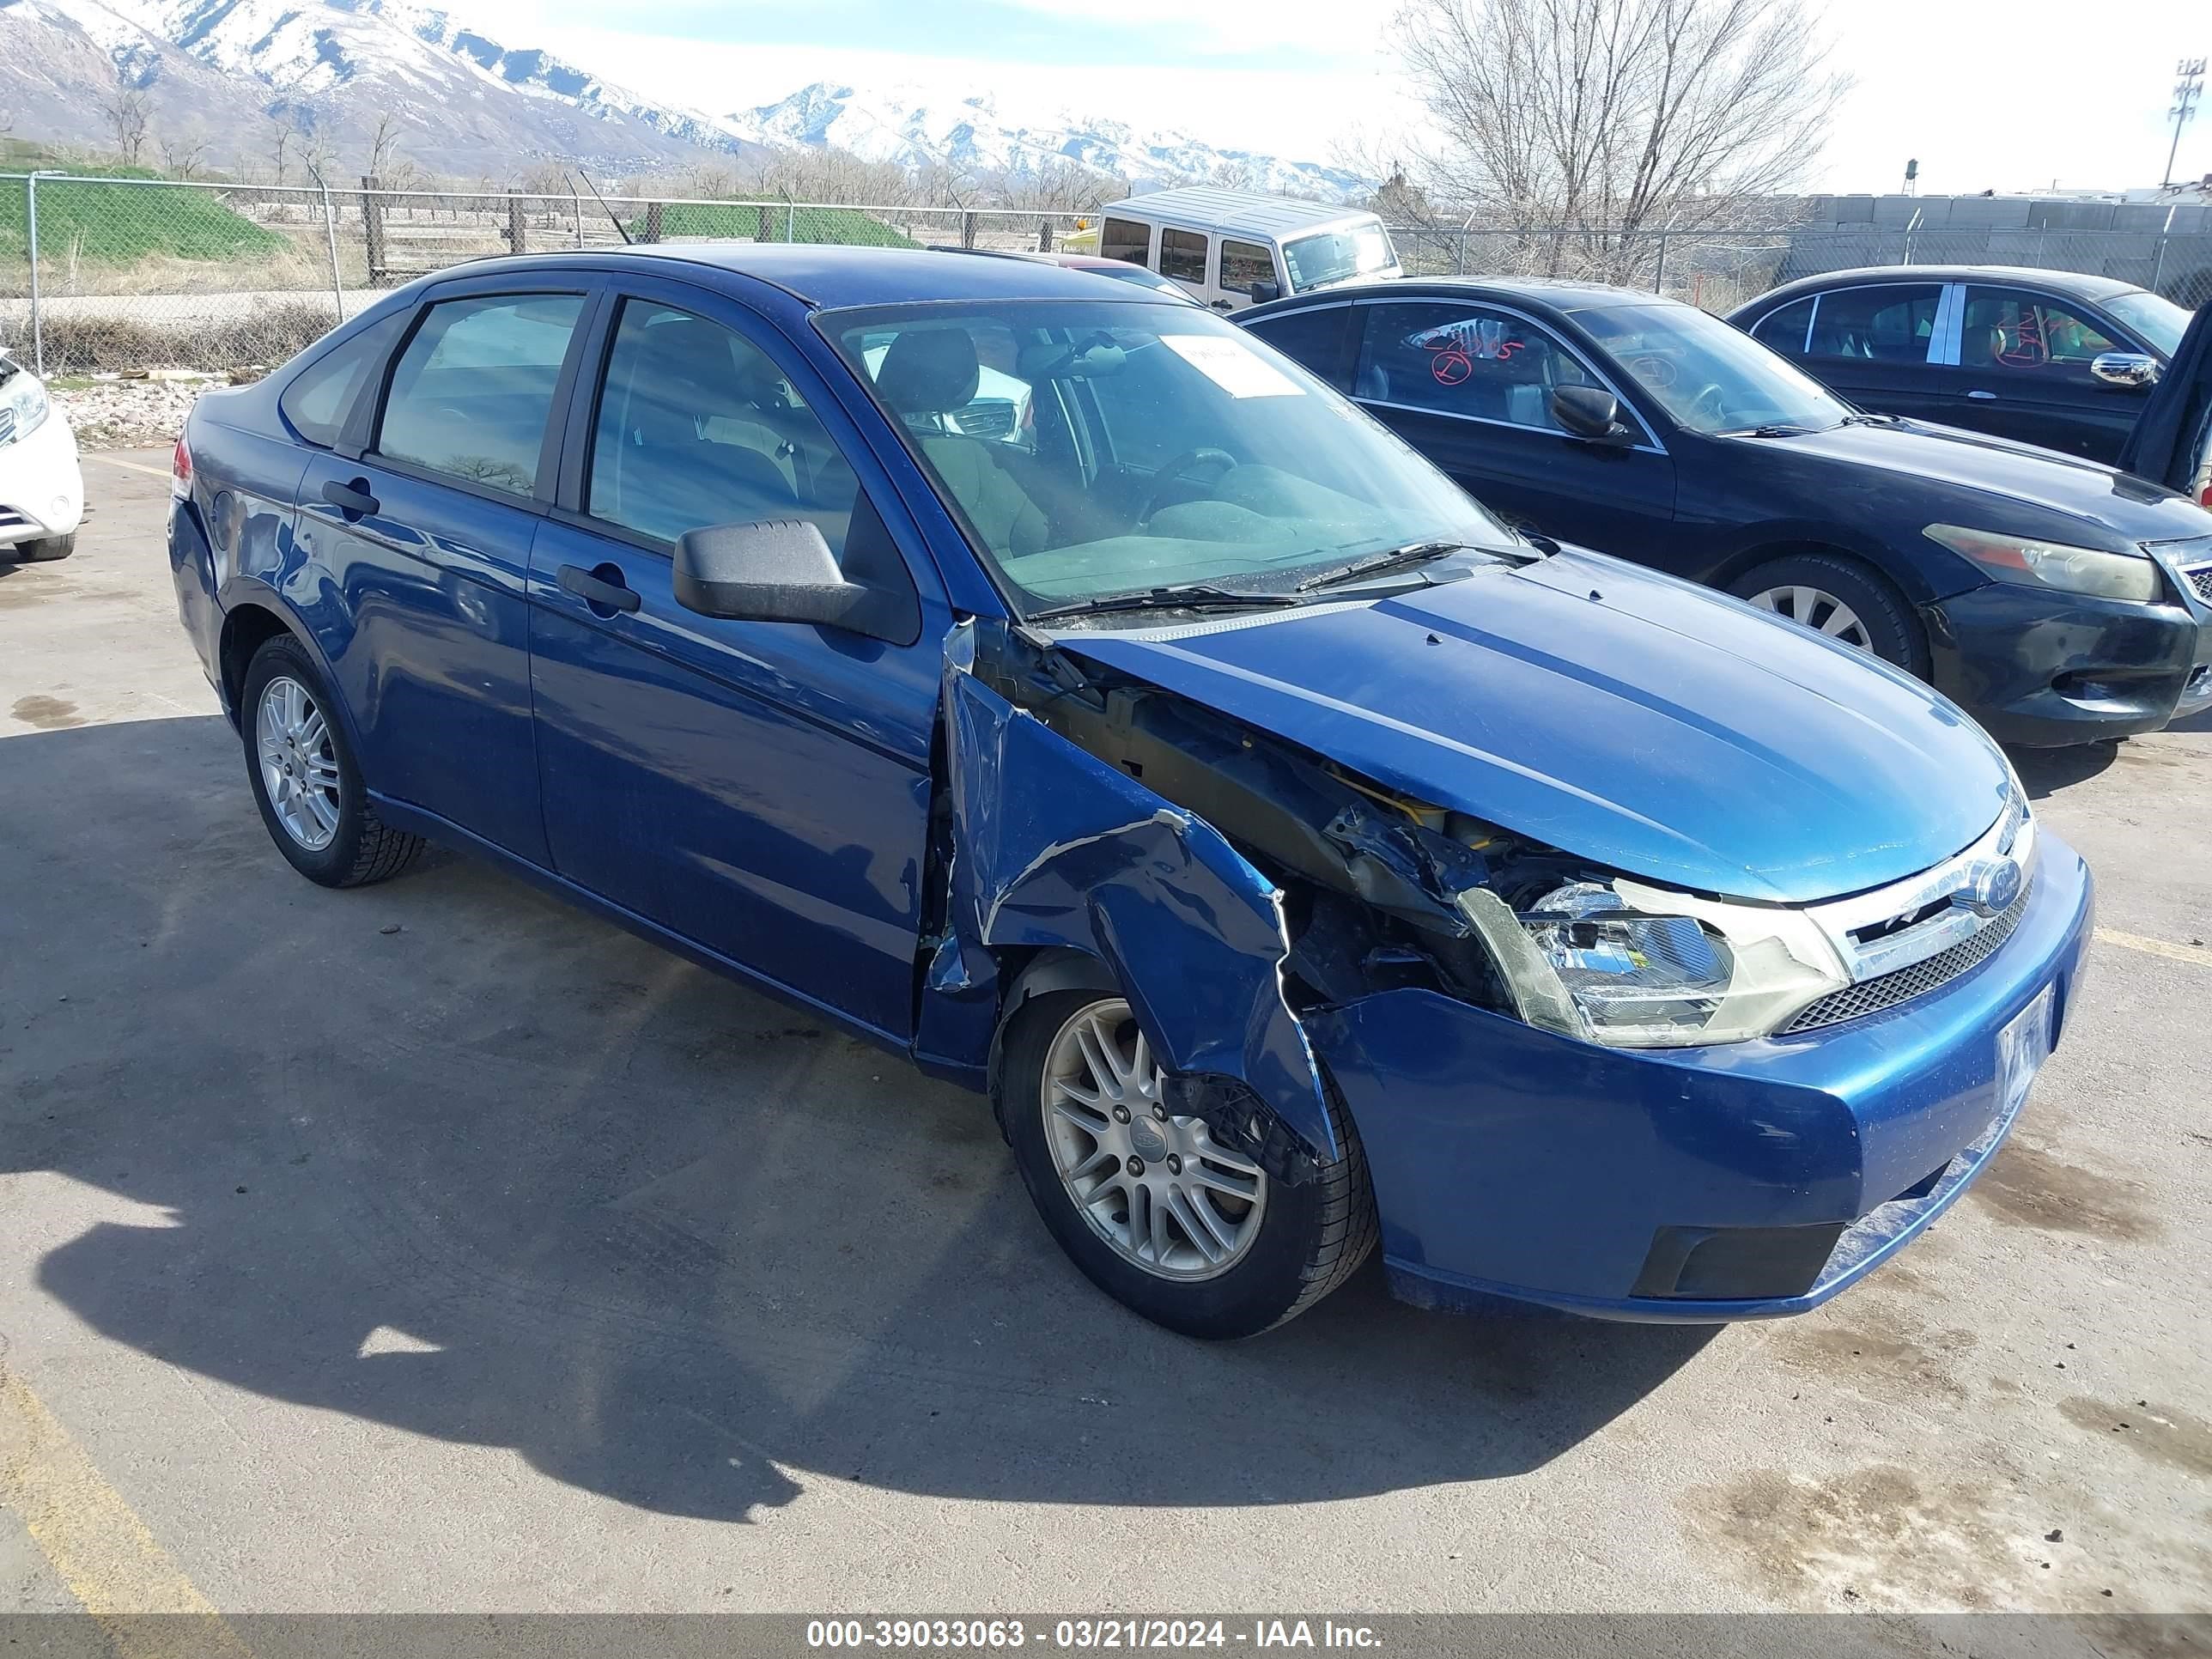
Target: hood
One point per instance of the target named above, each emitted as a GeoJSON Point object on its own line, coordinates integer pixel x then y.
{"type": "Point", "coordinates": [1941, 459]}
{"type": "Point", "coordinates": [1627, 717]}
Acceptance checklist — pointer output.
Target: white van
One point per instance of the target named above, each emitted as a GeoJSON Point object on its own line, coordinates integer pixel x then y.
{"type": "Point", "coordinates": [1230, 248]}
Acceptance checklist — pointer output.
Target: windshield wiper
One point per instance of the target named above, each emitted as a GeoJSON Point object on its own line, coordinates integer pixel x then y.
{"type": "Point", "coordinates": [1772, 429]}
{"type": "Point", "coordinates": [1176, 596]}
{"type": "Point", "coordinates": [1412, 553]}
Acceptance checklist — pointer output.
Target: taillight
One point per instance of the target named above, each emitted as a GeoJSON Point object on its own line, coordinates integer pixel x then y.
{"type": "Point", "coordinates": [180, 471]}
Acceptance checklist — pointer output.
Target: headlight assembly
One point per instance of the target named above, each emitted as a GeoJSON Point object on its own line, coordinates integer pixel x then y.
{"type": "Point", "coordinates": [1638, 967]}
{"type": "Point", "coordinates": [2089, 570]}
{"type": "Point", "coordinates": [23, 408]}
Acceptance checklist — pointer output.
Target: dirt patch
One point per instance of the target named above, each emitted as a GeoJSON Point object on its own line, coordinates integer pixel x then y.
{"type": "Point", "coordinates": [47, 714]}
{"type": "Point", "coordinates": [1896, 1358]}
{"type": "Point", "coordinates": [2159, 1433]}
{"type": "Point", "coordinates": [1867, 1538]}
{"type": "Point", "coordinates": [2026, 1187]}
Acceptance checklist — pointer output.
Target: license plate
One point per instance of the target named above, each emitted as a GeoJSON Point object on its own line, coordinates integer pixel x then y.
{"type": "Point", "coordinates": [2022, 1047]}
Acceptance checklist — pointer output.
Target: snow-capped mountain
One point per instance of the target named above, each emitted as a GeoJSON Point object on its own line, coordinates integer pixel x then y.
{"type": "Point", "coordinates": [917, 126]}
{"type": "Point", "coordinates": [461, 101]}
{"type": "Point", "coordinates": [233, 72]}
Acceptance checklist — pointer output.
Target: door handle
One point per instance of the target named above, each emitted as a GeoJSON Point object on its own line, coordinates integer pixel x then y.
{"type": "Point", "coordinates": [351, 499]}
{"type": "Point", "coordinates": [1984, 397]}
{"type": "Point", "coordinates": [596, 590]}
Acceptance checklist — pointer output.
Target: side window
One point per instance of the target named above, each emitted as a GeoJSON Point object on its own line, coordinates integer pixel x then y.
{"type": "Point", "coordinates": [1243, 264]}
{"type": "Point", "coordinates": [1784, 330]}
{"type": "Point", "coordinates": [319, 401]}
{"type": "Point", "coordinates": [2011, 328]}
{"type": "Point", "coordinates": [1463, 360]}
{"type": "Point", "coordinates": [695, 427]}
{"type": "Point", "coordinates": [1120, 238]}
{"type": "Point", "coordinates": [474, 389]}
{"type": "Point", "coordinates": [1315, 338]}
{"type": "Point", "coordinates": [1885, 324]}
{"type": "Point", "coordinates": [1182, 255]}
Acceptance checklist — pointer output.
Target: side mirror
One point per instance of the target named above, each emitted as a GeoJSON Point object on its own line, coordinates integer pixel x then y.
{"type": "Point", "coordinates": [2125, 368]}
{"type": "Point", "coordinates": [1261, 291]}
{"type": "Point", "coordinates": [776, 570]}
{"type": "Point", "coordinates": [1591, 412]}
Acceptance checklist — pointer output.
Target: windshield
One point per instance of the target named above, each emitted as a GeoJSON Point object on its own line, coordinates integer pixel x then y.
{"type": "Point", "coordinates": [1331, 256]}
{"type": "Point", "coordinates": [2160, 322]}
{"type": "Point", "coordinates": [1134, 446]}
{"type": "Point", "coordinates": [1709, 377]}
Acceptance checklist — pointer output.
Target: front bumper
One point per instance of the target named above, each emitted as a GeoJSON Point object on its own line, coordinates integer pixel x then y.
{"type": "Point", "coordinates": [41, 483]}
{"type": "Point", "coordinates": [1512, 1163]}
{"type": "Point", "coordinates": [2043, 670]}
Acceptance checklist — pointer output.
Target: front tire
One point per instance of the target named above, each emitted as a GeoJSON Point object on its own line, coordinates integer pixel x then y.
{"type": "Point", "coordinates": [1184, 1231]}
{"type": "Point", "coordinates": [305, 778]}
{"type": "Point", "coordinates": [1840, 597]}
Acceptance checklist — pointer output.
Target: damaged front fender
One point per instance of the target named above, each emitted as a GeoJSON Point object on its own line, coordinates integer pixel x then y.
{"type": "Point", "coordinates": [1047, 847]}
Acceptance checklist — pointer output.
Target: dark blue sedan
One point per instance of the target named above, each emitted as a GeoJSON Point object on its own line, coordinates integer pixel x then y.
{"type": "Point", "coordinates": [1053, 684]}
{"type": "Point", "coordinates": [2058, 601]}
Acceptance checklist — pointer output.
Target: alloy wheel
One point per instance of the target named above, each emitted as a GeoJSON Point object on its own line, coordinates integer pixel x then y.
{"type": "Point", "coordinates": [299, 768]}
{"type": "Point", "coordinates": [1818, 610]}
{"type": "Point", "coordinates": [1157, 1188]}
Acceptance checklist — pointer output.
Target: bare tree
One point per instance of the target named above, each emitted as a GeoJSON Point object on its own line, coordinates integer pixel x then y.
{"type": "Point", "coordinates": [129, 111]}
{"type": "Point", "coordinates": [1622, 116]}
{"type": "Point", "coordinates": [384, 158]}
{"type": "Point", "coordinates": [183, 155]}
{"type": "Point", "coordinates": [283, 136]}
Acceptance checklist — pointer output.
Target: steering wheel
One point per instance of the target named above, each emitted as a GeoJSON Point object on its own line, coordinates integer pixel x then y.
{"type": "Point", "coordinates": [1712, 400]}
{"type": "Point", "coordinates": [1205, 456]}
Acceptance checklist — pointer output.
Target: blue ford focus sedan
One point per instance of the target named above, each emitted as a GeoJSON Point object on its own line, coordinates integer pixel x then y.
{"type": "Point", "coordinates": [1054, 685]}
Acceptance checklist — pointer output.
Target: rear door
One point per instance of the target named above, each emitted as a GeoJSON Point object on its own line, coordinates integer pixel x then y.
{"type": "Point", "coordinates": [759, 789]}
{"type": "Point", "coordinates": [423, 520]}
{"type": "Point", "coordinates": [1469, 385]}
{"type": "Point", "coordinates": [2022, 371]}
{"type": "Point", "coordinates": [1877, 343]}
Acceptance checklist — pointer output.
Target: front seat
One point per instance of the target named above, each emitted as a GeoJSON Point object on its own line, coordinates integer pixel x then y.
{"type": "Point", "coordinates": [683, 380]}
{"type": "Point", "coordinates": [928, 373]}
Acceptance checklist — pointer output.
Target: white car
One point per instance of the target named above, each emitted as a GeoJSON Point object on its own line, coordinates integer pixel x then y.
{"type": "Point", "coordinates": [41, 484]}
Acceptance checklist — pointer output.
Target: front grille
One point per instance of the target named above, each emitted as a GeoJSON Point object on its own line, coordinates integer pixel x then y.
{"type": "Point", "coordinates": [1871, 996]}
{"type": "Point", "coordinates": [7, 424]}
{"type": "Point", "coordinates": [2201, 580]}
{"type": "Point", "coordinates": [11, 520]}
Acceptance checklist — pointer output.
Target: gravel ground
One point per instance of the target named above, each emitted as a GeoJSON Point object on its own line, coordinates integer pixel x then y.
{"type": "Point", "coordinates": [128, 414]}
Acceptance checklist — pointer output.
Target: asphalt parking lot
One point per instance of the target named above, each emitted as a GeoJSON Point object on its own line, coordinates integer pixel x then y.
{"type": "Point", "coordinates": [433, 1247]}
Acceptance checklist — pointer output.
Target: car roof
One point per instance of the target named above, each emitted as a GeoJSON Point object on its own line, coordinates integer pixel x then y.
{"type": "Point", "coordinates": [1234, 210]}
{"type": "Point", "coordinates": [2076, 285]}
{"type": "Point", "coordinates": [836, 276]}
{"type": "Point", "coordinates": [1559, 293]}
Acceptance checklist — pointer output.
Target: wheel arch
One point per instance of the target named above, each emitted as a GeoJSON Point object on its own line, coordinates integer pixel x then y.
{"type": "Point", "coordinates": [250, 621]}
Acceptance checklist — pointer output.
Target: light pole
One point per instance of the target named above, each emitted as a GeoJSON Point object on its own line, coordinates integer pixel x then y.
{"type": "Point", "coordinates": [2186, 91]}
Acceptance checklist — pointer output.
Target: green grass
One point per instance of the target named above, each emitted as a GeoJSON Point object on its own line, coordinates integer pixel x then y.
{"type": "Point", "coordinates": [121, 225]}
{"type": "Point", "coordinates": [840, 227]}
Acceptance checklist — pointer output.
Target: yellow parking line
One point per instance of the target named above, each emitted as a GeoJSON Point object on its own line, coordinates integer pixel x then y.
{"type": "Point", "coordinates": [98, 1546]}
{"type": "Point", "coordinates": [2196, 954]}
{"type": "Point", "coordinates": [135, 466]}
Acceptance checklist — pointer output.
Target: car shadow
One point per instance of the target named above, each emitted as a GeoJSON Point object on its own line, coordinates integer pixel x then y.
{"type": "Point", "coordinates": [2045, 772]}
{"type": "Point", "coordinates": [449, 1156]}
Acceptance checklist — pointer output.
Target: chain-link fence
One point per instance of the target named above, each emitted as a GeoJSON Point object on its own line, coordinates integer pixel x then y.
{"type": "Point", "coordinates": [114, 273]}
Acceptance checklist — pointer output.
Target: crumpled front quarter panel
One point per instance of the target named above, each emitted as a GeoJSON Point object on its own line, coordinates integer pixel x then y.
{"type": "Point", "coordinates": [1051, 847]}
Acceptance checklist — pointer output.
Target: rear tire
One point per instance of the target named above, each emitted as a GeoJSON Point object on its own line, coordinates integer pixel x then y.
{"type": "Point", "coordinates": [1838, 596]}
{"type": "Point", "coordinates": [305, 778]}
{"type": "Point", "coordinates": [46, 548]}
{"type": "Point", "coordinates": [1244, 1265]}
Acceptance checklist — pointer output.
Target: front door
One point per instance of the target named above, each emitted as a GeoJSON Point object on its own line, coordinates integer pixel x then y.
{"type": "Point", "coordinates": [759, 789]}
{"type": "Point", "coordinates": [1469, 386]}
{"type": "Point", "coordinates": [424, 536]}
{"type": "Point", "coordinates": [2022, 372]}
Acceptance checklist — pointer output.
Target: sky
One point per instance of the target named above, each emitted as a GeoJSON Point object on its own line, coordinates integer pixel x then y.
{"type": "Point", "coordinates": [2010, 98]}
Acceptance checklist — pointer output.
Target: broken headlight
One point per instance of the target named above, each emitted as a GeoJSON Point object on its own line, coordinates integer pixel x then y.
{"type": "Point", "coordinates": [1638, 967]}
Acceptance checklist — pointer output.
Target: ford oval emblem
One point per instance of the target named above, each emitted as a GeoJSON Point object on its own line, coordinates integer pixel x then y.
{"type": "Point", "coordinates": [1991, 887]}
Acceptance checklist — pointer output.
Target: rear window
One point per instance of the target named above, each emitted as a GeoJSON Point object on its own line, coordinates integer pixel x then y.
{"type": "Point", "coordinates": [321, 397]}
{"type": "Point", "coordinates": [474, 389]}
{"type": "Point", "coordinates": [1121, 238]}
{"type": "Point", "coordinates": [1182, 255]}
